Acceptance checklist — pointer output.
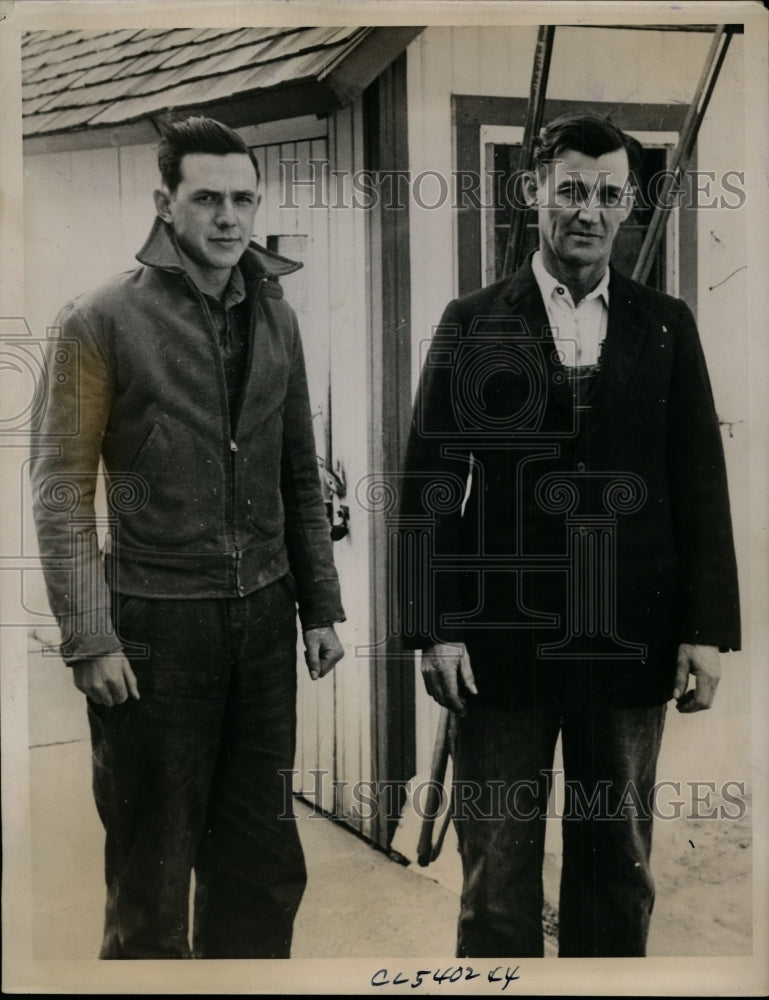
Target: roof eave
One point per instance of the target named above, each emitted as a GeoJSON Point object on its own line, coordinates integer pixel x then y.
{"type": "Point", "coordinates": [338, 86]}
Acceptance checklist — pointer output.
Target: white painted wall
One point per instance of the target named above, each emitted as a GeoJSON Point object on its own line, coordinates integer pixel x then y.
{"type": "Point", "coordinates": [86, 213]}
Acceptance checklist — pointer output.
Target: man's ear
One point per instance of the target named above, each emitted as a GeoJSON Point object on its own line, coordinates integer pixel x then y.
{"type": "Point", "coordinates": [529, 188]}
{"type": "Point", "coordinates": [162, 204]}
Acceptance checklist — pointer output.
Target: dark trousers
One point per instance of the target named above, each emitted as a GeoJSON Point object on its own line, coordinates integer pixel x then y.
{"type": "Point", "coordinates": [503, 763]}
{"type": "Point", "coordinates": [187, 778]}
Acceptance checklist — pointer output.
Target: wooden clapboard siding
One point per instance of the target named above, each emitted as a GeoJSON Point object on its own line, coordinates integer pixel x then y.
{"type": "Point", "coordinates": [138, 179]}
{"type": "Point", "coordinates": [63, 257]}
{"type": "Point", "coordinates": [69, 251]}
{"type": "Point", "coordinates": [86, 213]}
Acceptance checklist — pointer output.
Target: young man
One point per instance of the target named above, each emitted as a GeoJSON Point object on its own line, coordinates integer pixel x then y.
{"type": "Point", "coordinates": [190, 386]}
{"type": "Point", "coordinates": [584, 568]}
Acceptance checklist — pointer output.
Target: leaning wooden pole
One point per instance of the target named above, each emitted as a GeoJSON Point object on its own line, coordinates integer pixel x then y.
{"type": "Point", "coordinates": [435, 795]}
{"type": "Point", "coordinates": [534, 112]}
{"type": "Point", "coordinates": [686, 143]}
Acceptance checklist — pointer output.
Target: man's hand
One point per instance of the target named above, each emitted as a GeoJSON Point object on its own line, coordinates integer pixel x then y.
{"type": "Point", "coordinates": [704, 664]}
{"type": "Point", "coordinates": [448, 675]}
{"type": "Point", "coordinates": [107, 680]}
{"type": "Point", "coordinates": [322, 650]}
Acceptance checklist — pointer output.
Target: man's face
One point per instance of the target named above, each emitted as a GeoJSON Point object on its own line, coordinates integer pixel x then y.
{"type": "Point", "coordinates": [212, 210]}
{"type": "Point", "coordinates": [581, 203]}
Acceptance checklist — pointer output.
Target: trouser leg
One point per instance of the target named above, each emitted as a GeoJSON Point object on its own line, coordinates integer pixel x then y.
{"type": "Point", "coordinates": [250, 872]}
{"type": "Point", "coordinates": [502, 761]}
{"type": "Point", "coordinates": [607, 890]}
{"type": "Point", "coordinates": [153, 760]}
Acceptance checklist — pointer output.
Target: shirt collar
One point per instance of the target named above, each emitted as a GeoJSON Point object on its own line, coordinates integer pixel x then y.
{"type": "Point", "coordinates": [548, 284]}
{"type": "Point", "coordinates": [235, 291]}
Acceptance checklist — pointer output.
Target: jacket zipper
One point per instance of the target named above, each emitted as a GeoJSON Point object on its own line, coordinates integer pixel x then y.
{"type": "Point", "coordinates": [250, 353]}
{"type": "Point", "coordinates": [236, 552]}
{"type": "Point", "coordinates": [233, 420]}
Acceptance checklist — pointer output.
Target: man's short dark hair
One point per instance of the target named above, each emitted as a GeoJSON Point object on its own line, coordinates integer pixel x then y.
{"type": "Point", "coordinates": [591, 135]}
{"type": "Point", "coordinates": [196, 135]}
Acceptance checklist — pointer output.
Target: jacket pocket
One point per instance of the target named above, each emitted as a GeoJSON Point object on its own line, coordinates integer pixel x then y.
{"type": "Point", "coordinates": [183, 479]}
{"type": "Point", "coordinates": [145, 446]}
{"type": "Point", "coordinates": [259, 479]}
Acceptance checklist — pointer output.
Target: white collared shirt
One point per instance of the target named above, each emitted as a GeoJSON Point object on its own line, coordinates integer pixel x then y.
{"type": "Point", "coordinates": [578, 330]}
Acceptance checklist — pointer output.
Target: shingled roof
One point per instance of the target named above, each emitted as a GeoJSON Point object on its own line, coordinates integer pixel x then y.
{"type": "Point", "coordinates": [84, 81]}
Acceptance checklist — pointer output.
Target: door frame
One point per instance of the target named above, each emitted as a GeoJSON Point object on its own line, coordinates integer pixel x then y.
{"type": "Point", "coordinates": [393, 710]}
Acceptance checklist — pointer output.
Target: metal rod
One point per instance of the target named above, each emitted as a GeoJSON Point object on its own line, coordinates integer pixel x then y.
{"type": "Point", "coordinates": [686, 143]}
{"type": "Point", "coordinates": [737, 29]}
{"type": "Point", "coordinates": [534, 111]}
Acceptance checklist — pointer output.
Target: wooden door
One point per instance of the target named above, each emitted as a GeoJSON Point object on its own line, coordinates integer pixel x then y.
{"type": "Point", "coordinates": [300, 217]}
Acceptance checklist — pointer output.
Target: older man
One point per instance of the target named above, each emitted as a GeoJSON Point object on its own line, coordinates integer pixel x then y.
{"type": "Point", "coordinates": [191, 387]}
{"type": "Point", "coordinates": [584, 569]}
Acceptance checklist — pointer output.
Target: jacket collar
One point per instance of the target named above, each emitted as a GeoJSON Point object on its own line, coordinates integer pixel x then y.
{"type": "Point", "coordinates": [627, 329]}
{"type": "Point", "coordinates": [629, 324]}
{"type": "Point", "coordinates": [160, 251]}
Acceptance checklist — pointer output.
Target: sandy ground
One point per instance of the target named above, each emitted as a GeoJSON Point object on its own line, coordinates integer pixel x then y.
{"type": "Point", "coordinates": [359, 901]}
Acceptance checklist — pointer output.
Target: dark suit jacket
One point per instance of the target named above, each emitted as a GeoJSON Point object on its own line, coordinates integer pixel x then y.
{"type": "Point", "coordinates": [549, 538]}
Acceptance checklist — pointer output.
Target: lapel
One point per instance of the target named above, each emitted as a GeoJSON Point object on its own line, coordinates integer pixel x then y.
{"type": "Point", "coordinates": [625, 335]}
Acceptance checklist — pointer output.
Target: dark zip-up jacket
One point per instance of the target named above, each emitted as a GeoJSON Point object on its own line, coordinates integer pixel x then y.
{"type": "Point", "coordinates": [195, 509]}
